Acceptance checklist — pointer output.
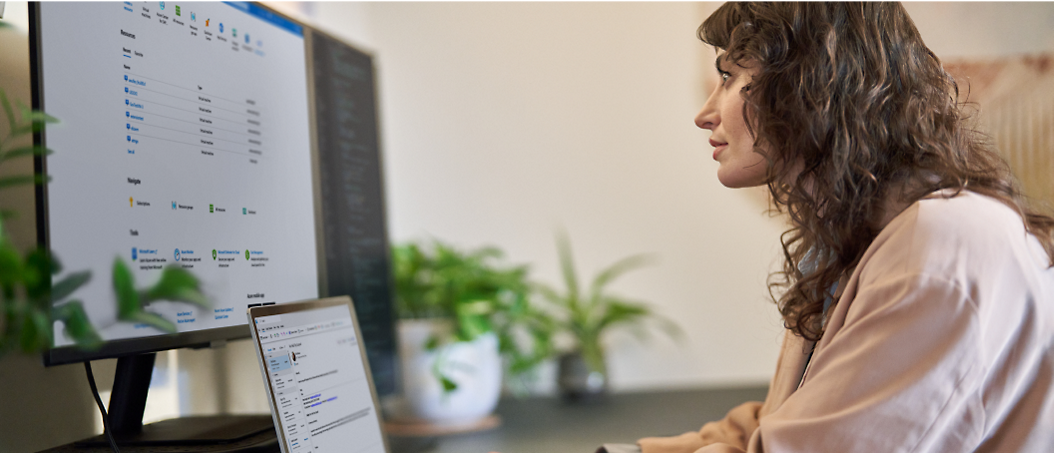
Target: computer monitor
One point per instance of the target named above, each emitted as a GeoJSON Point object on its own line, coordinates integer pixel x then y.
{"type": "Point", "coordinates": [354, 240]}
{"type": "Point", "coordinates": [186, 139]}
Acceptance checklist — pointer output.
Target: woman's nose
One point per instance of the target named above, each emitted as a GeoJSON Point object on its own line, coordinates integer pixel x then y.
{"type": "Point", "coordinates": [708, 117]}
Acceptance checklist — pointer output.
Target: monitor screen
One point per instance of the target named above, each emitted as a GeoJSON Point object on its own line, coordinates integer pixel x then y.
{"type": "Point", "coordinates": [184, 140]}
{"type": "Point", "coordinates": [354, 233]}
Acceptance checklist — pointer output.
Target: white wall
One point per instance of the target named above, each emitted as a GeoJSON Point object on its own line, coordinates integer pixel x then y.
{"type": "Point", "coordinates": [502, 122]}
{"type": "Point", "coordinates": [984, 29]}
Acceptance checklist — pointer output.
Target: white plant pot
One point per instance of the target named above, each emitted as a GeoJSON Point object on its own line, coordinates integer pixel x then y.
{"type": "Point", "coordinates": [475, 366]}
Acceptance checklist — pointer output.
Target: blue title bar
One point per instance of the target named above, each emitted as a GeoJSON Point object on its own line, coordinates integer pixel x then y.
{"type": "Point", "coordinates": [267, 16]}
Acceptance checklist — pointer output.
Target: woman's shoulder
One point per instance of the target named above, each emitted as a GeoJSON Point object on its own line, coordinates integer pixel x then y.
{"type": "Point", "coordinates": [966, 211]}
{"type": "Point", "coordinates": [955, 234]}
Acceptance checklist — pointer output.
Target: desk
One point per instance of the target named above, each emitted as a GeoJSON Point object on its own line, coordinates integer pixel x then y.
{"type": "Point", "coordinates": [547, 425]}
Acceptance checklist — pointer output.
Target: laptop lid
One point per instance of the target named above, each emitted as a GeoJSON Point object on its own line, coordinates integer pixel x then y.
{"type": "Point", "coordinates": [317, 377]}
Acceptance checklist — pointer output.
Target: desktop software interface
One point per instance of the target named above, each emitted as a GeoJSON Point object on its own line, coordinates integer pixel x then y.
{"type": "Point", "coordinates": [184, 141]}
{"type": "Point", "coordinates": [322, 396]}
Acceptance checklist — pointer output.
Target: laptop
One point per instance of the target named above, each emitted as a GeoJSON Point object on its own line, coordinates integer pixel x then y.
{"type": "Point", "coordinates": [317, 377]}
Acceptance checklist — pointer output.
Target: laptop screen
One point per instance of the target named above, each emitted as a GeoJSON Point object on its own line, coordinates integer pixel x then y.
{"type": "Point", "coordinates": [321, 396]}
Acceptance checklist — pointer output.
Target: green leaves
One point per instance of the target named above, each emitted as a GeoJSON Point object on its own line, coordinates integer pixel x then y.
{"type": "Point", "coordinates": [440, 281]}
{"type": "Point", "coordinates": [35, 150]}
{"type": "Point", "coordinates": [175, 284]}
{"type": "Point", "coordinates": [31, 302]}
{"type": "Point", "coordinates": [588, 316]}
{"type": "Point", "coordinates": [65, 287]}
{"type": "Point", "coordinates": [77, 325]}
{"type": "Point", "coordinates": [480, 295]}
{"type": "Point", "coordinates": [32, 121]}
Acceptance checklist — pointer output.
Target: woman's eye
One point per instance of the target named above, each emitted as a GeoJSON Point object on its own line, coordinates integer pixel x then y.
{"type": "Point", "coordinates": [725, 76]}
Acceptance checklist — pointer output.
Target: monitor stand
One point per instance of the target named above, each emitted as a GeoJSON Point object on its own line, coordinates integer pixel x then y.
{"type": "Point", "coordinates": [128, 401]}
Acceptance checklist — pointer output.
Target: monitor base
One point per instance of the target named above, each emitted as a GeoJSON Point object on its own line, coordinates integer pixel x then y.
{"type": "Point", "coordinates": [199, 430]}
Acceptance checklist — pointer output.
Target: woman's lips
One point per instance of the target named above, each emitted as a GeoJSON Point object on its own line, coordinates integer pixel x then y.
{"type": "Point", "coordinates": [718, 147]}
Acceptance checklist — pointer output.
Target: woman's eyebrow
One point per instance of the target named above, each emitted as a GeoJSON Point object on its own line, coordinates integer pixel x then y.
{"type": "Point", "coordinates": [717, 64]}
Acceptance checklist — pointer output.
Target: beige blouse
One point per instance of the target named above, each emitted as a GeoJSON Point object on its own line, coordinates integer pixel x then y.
{"type": "Point", "coordinates": [940, 342]}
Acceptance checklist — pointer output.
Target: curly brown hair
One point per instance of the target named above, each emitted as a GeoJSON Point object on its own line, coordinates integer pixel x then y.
{"type": "Point", "coordinates": [851, 108]}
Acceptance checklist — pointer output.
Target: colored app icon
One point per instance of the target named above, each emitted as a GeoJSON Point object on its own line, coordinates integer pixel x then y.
{"type": "Point", "coordinates": [135, 254]}
{"type": "Point", "coordinates": [193, 17]}
{"type": "Point", "coordinates": [247, 38]}
{"type": "Point", "coordinates": [234, 32]}
{"type": "Point", "coordinates": [127, 126]}
{"type": "Point", "coordinates": [127, 114]}
{"type": "Point", "coordinates": [162, 6]}
{"type": "Point", "coordinates": [243, 211]}
{"type": "Point", "coordinates": [177, 250]}
{"type": "Point", "coordinates": [221, 27]}
{"type": "Point", "coordinates": [177, 11]}
{"type": "Point", "coordinates": [246, 253]}
{"type": "Point", "coordinates": [214, 254]}
{"type": "Point", "coordinates": [125, 89]}
{"type": "Point", "coordinates": [128, 137]}
{"type": "Point", "coordinates": [207, 22]}
{"type": "Point", "coordinates": [210, 208]}
{"type": "Point", "coordinates": [131, 202]}
{"type": "Point", "coordinates": [173, 205]}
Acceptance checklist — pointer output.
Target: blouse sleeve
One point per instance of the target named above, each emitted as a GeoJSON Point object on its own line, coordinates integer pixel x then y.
{"type": "Point", "coordinates": [739, 424]}
{"type": "Point", "coordinates": [734, 429]}
{"type": "Point", "coordinates": [899, 375]}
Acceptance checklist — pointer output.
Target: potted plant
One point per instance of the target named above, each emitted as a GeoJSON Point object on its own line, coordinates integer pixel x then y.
{"type": "Point", "coordinates": [461, 313]}
{"type": "Point", "coordinates": [588, 315]}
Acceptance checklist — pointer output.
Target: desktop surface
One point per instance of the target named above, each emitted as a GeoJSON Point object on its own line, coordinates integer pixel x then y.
{"type": "Point", "coordinates": [546, 424]}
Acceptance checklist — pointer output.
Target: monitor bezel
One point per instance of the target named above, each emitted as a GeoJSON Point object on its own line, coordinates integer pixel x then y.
{"type": "Point", "coordinates": [118, 348]}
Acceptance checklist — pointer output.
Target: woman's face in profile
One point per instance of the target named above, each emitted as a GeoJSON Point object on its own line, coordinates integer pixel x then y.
{"type": "Point", "coordinates": [722, 114]}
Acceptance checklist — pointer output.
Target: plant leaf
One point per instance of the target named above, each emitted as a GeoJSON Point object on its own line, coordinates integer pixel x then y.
{"type": "Point", "coordinates": [124, 288]}
{"type": "Point", "coordinates": [151, 319]}
{"type": "Point", "coordinates": [621, 311]}
{"type": "Point", "coordinates": [36, 277]}
{"type": "Point", "coordinates": [176, 284]}
{"type": "Point", "coordinates": [77, 325]}
{"type": "Point", "coordinates": [567, 267]}
{"type": "Point", "coordinates": [35, 116]}
{"type": "Point", "coordinates": [20, 180]}
{"type": "Point", "coordinates": [432, 343]}
{"type": "Point", "coordinates": [68, 285]}
{"type": "Point", "coordinates": [8, 111]}
{"type": "Point", "coordinates": [448, 385]}
{"type": "Point", "coordinates": [548, 293]}
{"type": "Point", "coordinates": [36, 331]}
{"type": "Point", "coordinates": [11, 264]}
{"type": "Point", "coordinates": [616, 270]}
{"type": "Point", "coordinates": [35, 150]}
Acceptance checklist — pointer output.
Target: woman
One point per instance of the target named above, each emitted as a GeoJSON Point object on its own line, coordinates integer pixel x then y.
{"type": "Point", "coordinates": [918, 287]}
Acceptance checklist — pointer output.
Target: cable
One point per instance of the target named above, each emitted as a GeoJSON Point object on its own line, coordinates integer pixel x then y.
{"type": "Point", "coordinates": [98, 400]}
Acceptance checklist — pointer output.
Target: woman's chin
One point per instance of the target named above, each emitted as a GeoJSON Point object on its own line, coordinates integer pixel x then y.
{"type": "Point", "coordinates": [739, 181]}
